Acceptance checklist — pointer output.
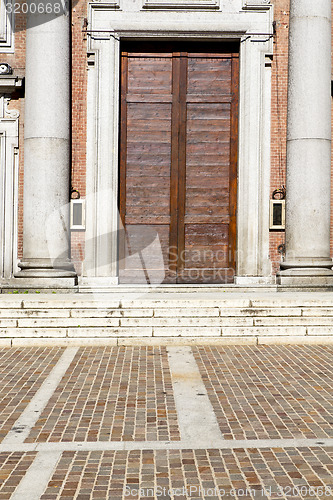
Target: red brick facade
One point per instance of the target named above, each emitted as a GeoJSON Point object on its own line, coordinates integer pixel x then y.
{"type": "Point", "coordinates": [279, 114]}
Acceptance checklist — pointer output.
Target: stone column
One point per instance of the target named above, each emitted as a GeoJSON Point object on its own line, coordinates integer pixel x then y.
{"type": "Point", "coordinates": [47, 150]}
{"type": "Point", "coordinates": [308, 259]}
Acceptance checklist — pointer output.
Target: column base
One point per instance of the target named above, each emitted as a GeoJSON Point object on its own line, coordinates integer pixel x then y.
{"type": "Point", "coordinates": [303, 276]}
{"type": "Point", "coordinates": [39, 285]}
{"type": "Point", "coordinates": [56, 271]}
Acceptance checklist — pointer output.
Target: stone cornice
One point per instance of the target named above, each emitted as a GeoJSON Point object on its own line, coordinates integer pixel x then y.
{"type": "Point", "coordinates": [256, 4]}
{"type": "Point", "coordinates": [10, 83]}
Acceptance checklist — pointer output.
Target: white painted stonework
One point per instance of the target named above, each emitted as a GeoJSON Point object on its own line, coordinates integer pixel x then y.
{"type": "Point", "coordinates": [6, 26]}
{"type": "Point", "coordinates": [256, 4]}
{"type": "Point", "coordinates": [248, 21]}
{"type": "Point", "coordinates": [181, 4]}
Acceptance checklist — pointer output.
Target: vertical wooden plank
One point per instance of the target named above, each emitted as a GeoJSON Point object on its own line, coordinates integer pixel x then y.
{"type": "Point", "coordinates": [233, 161]}
{"type": "Point", "coordinates": [175, 119]}
{"type": "Point", "coordinates": [146, 163]}
{"type": "Point", "coordinates": [123, 158]}
{"type": "Point", "coordinates": [182, 160]}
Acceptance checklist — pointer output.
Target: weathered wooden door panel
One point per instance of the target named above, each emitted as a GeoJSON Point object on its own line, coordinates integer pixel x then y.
{"type": "Point", "coordinates": [178, 167]}
{"type": "Point", "coordinates": [146, 111]}
{"type": "Point", "coordinates": [208, 155]}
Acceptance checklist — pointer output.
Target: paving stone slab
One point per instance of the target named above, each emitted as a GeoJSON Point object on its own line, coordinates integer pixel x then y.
{"type": "Point", "coordinates": [95, 313]}
{"type": "Point", "coordinates": [5, 343]}
{"type": "Point", "coordinates": [114, 313]}
{"type": "Point", "coordinates": [307, 340]}
{"type": "Point", "coordinates": [265, 330]}
{"type": "Point", "coordinates": [315, 299]}
{"type": "Point", "coordinates": [257, 311]}
{"type": "Point", "coordinates": [11, 303]}
{"type": "Point", "coordinates": [184, 312]}
{"type": "Point", "coordinates": [34, 313]}
{"type": "Point", "coordinates": [8, 323]}
{"type": "Point", "coordinates": [33, 332]}
{"type": "Point", "coordinates": [320, 330]}
{"type": "Point", "coordinates": [67, 322]}
{"type": "Point", "coordinates": [69, 303]}
{"type": "Point", "coordinates": [317, 311]}
{"type": "Point", "coordinates": [187, 322]}
{"type": "Point", "coordinates": [189, 302]}
{"type": "Point", "coordinates": [165, 341]}
{"type": "Point", "coordinates": [64, 342]}
{"type": "Point", "coordinates": [183, 331]}
{"type": "Point", "coordinates": [289, 321]}
{"type": "Point", "coordinates": [110, 332]}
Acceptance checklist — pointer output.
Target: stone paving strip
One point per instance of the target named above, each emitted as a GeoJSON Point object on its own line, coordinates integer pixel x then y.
{"type": "Point", "coordinates": [113, 394]}
{"type": "Point", "coordinates": [22, 373]}
{"type": "Point", "coordinates": [126, 318]}
{"type": "Point", "coordinates": [32, 485]}
{"type": "Point", "coordinates": [196, 417]}
{"type": "Point", "coordinates": [269, 393]}
{"type": "Point", "coordinates": [26, 421]}
{"type": "Point", "coordinates": [222, 444]}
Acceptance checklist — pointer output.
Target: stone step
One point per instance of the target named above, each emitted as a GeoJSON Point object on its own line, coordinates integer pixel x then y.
{"type": "Point", "coordinates": [190, 316]}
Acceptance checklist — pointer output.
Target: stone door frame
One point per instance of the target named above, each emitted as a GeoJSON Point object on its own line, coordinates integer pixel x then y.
{"type": "Point", "coordinates": [9, 189]}
{"type": "Point", "coordinates": [248, 22]}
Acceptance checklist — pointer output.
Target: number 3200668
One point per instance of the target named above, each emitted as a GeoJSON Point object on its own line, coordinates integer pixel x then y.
{"type": "Point", "coordinates": [36, 7]}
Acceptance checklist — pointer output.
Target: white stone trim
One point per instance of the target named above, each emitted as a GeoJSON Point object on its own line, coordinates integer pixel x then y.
{"type": "Point", "coordinates": [8, 189]}
{"type": "Point", "coordinates": [254, 162]}
{"type": "Point", "coordinates": [107, 28]}
{"type": "Point", "coordinates": [181, 4]}
{"type": "Point", "coordinates": [102, 3]}
{"type": "Point", "coordinates": [6, 26]}
{"type": "Point", "coordinates": [256, 4]}
{"type": "Point", "coordinates": [102, 154]}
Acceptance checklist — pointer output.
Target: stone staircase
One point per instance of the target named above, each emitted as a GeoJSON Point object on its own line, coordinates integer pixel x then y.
{"type": "Point", "coordinates": [137, 316]}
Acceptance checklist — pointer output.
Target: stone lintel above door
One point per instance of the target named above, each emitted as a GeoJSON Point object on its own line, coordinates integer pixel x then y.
{"type": "Point", "coordinates": [256, 4]}
{"type": "Point", "coordinates": [181, 4]}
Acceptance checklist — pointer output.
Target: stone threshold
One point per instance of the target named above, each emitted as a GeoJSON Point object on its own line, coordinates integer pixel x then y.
{"type": "Point", "coordinates": [104, 286]}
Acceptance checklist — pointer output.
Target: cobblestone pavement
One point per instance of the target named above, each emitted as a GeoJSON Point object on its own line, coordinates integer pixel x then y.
{"type": "Point", "coordinates": [213, 473]}
{"type": "Point", "coordinates": [112, 394]}
{"type": "Point", "coordinates": [269, 393]}
{"type": "Point", "coordinates": [114, 425]}
{"type": "Point", "coordinates": [22, 372]}
{"type": "Point", "coordinates": [13, 466]}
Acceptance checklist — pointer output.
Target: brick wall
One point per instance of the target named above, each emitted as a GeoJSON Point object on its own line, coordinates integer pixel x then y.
{"type": "Point", "coordinates": [279, 116]}
{"type": "Point", "coordinates": [79, 117]}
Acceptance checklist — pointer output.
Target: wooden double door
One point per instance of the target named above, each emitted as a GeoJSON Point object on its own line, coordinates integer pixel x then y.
{"type": "Point", "coordinates": [178, 162]}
